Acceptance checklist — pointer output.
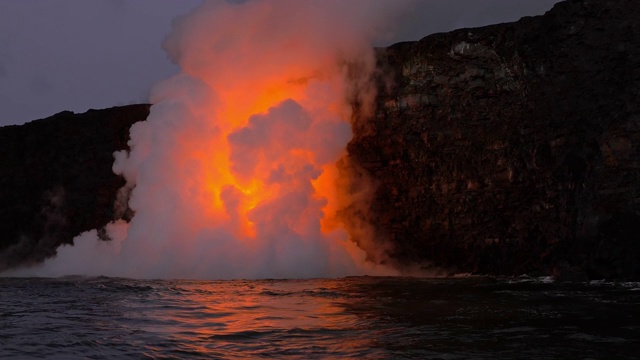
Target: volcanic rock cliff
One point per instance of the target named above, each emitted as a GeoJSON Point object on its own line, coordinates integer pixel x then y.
{"type": "Point", "coordinates": [512, 148]}
{"type": "Point", "coordinates": [506, 149]}
{"type": "Point", "coordinates": [56, 179]}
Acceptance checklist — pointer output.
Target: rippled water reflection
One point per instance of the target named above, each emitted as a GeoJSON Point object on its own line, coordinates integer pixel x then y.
{"type": "Point", "coordinates": [362, 317]}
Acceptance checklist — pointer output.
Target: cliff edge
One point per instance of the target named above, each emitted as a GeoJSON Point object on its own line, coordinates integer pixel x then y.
{"type": "Point", "coordinates": [56, 179]}
{"type": "Point", "coordinates": [512, 148]}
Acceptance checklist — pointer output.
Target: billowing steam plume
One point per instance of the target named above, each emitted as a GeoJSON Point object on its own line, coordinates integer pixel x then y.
{"type": "Point", "coordinates": [233, 173]}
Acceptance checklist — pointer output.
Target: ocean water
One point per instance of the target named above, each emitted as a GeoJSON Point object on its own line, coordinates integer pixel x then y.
{"type": "Point", "coordinates": [360, 317]}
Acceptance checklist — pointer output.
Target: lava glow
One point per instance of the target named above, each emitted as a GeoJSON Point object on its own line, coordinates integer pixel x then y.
{"type": "Point", "coordinates": [234, 173]}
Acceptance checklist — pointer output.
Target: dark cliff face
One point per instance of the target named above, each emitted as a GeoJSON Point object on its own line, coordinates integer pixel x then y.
{"type": "Point", "coordinates": [508, 149]}
{"type": "Point", "coordinates": [56, 179]}
{"type": "Point", "coordinates": [513, 148]}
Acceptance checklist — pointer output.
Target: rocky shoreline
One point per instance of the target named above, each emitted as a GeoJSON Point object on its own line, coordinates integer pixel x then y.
{"type": "Point", "coordinates": [512, 148]}
{"type": "Point", "coordinates": [56, 179]}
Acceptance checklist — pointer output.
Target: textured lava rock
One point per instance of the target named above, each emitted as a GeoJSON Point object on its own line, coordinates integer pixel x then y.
{"type": "Point", "coordinates": [56, 179]}
{"type": "Point", "coordinates": [512, 148]}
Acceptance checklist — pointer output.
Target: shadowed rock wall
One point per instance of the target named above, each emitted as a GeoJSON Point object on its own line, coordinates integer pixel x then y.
{"type": "Point", "coordinates": [56, 179]}
{"type": "Point", "coordinates": [512, 148]}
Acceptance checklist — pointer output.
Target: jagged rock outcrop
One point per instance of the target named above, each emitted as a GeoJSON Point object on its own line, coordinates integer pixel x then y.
{"type": "Point", "coordinates": [507, 149]}
{"type": "Point", "coordinates": [56, 179]}
{"type": "Point", "coordinates": [513, 148]}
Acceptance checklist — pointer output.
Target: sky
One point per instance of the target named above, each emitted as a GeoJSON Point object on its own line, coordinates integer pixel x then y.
{"type": "Point", "coordinates": [82, 54]}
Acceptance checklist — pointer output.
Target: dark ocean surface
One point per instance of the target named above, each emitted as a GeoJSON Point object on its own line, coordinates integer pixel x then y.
{"type": "Point", "coordinates": [360, 317]}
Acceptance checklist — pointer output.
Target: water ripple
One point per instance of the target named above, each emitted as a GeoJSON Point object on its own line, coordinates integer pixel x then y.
{"type": "Point", "coordinates": [378, 318]}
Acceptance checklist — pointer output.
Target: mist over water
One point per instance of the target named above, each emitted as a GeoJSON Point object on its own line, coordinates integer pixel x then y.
{"type": "Point", "coordinates": [233, 173]}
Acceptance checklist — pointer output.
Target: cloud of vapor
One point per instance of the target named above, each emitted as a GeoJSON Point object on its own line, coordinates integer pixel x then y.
{"type": "Point", "coordinates": [234, 173]}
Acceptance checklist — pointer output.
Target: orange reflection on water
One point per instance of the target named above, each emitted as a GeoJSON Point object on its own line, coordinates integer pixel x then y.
{"type": "Point", "coordinates": [212, 315]}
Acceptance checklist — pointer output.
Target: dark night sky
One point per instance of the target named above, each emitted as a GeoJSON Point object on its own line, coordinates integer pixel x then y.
{"type": "Point", "coordinates": [80, 54]}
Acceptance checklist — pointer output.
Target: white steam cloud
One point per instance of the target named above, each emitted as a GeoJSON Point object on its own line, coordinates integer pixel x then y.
{"type": "Point", "coordinates": [234, 169]}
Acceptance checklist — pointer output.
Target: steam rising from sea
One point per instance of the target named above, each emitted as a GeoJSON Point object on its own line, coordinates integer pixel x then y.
{"type": "Point", "coordinates": [233, 174]}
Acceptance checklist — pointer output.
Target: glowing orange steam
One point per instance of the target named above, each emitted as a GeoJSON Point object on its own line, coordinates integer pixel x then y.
{"type": "Point", "coordinates": [247, 83]}
{"type": "Point", "coordinates": [233, 173]}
